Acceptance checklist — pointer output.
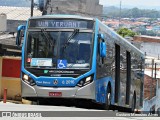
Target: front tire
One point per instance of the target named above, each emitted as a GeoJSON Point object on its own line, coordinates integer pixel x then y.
{"type": "Point", "coordinates": [107, 105]}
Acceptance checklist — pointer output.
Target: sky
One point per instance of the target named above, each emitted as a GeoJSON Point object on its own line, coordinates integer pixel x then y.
{"type": "Point", "coordinates": [150, 4]}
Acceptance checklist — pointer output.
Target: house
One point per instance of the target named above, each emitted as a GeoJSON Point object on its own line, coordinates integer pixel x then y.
{"type": "Point", "coordinates": [148, 44]}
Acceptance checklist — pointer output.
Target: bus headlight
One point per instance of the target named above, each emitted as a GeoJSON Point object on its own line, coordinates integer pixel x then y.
{"type": "Point", "coordinates": [25, 77]}
{"type": "Point", "coordinates": [85, 81]}
{"type": "Point", "coordinates": [88, 79]}
{"type": "Point", "coordinates": [28, 80]}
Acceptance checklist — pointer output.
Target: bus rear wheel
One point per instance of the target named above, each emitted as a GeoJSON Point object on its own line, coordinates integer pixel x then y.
{"type": "Point", "coordinates": [133, 103]}
{"type": "Point", "coordinates": [107, 105]}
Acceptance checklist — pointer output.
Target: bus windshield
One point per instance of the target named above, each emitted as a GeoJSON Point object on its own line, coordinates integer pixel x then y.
{"type": "Point", "coordinates": [59, 49]}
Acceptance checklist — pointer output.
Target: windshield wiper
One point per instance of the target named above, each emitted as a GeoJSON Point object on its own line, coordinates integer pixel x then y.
{"type": "Point", "coordinates": [70, 38]}
{"type": "Point", "coordinates": [47, 37]}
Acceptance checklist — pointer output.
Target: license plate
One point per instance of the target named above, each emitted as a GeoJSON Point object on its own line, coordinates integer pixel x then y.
{"type": "Point", "coordinates": [55, 94]}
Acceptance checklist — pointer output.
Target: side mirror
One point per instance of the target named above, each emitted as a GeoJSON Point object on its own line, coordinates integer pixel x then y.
{"type": "Point", "coordinates": [103, 49]}
{"type": "Point", "coordinates": [20, 34]}
{"type": "Point", "coordinates": [101, 36]}
{"type": "Point", "coordinates": [102, 46]}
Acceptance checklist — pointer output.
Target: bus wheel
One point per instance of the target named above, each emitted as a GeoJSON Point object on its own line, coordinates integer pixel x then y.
{"type": "Point", "coordinates": [106, 106]}
{"type": "Point", "coordinates": [133, 103]}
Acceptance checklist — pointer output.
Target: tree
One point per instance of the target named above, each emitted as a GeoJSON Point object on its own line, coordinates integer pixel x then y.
{"type": "Point", "coordinates": [131, 13]}
{"type": "Point", "coordinates": [135, 12]}
{"type": "Point", "coordinates": [124, 32]}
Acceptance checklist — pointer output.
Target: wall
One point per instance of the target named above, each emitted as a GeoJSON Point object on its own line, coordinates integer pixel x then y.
{"type": "Point", "coordinates": [148, 104]}
{"type": "Point", "coordinates": [0, 76]}
{"type": "Point", "coordinates": [3, 21]}
{"type": "Point", "coordinates": [10, 77]}
{"type": "Point", "coordinates": [147, 39]}
{"type": "Point", "coordinates": [81, 7]}
{"type": "Point", "coordinates": [149, 45]}
{"type": "Point", "coordinates": [158, 95]}
{"type": "Point", "coordinates": [151, 49]}
{"type": "Point", "coordinates": [12, 25]}
{"type": "Point", "coordinates": [93, 6]}
{"type": "Point", "coordinates": [147, 87]}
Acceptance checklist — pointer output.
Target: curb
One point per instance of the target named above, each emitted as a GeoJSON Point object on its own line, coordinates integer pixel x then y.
{"type": "Point", "coordinates": [12, 101]}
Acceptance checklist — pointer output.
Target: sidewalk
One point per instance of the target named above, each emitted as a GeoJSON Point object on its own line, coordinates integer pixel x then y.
{"type": "Point", "coordinates": [10, 102]}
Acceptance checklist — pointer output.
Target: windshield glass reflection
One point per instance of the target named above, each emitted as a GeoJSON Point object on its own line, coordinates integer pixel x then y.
{"type": "Point", "coordinates": [61, 50]}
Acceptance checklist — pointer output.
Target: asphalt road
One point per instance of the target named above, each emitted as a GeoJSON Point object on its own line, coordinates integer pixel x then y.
{"type": "Point", "coordinates": [34, 112]}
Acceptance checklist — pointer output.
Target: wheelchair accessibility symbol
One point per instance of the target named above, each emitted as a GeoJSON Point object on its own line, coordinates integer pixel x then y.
{"type": "Point", "coordinates": [62, 64]}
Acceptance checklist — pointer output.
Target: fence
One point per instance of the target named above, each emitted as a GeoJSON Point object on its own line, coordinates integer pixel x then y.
{"type": "Point", "coordinates": [152, 74]}
{"type": "Point", "coordinates": [17, 15]}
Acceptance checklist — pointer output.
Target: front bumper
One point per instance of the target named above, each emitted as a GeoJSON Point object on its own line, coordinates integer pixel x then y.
{"type": "Point", "coordinates": [86, 92]}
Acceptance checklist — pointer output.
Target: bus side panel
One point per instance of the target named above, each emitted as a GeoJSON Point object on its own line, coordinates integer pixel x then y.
{"type": "Point", "coordinates": [105, 69]}
{"type": "Point", "coordinates": [101, 88]}
{"type": "Point", "coordinates": [123, 76]}
{"type": "Point", "coordinates": [117, 49]}
{"type": "Point", "coordinates": [136, 76]}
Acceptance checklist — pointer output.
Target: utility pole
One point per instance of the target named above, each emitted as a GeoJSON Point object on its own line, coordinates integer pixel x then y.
{"type": "Point", "coordinates": [151, 85]}
{"type": "Point", "coordinates": [155, 76]}
{"type": "Point", "coordinates": [120, 13]}
{"type": "Point", "coordinates": [32, 6]}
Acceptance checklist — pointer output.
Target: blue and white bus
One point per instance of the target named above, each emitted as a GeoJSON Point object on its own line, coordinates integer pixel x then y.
{"type": "Point", "coordinates": [68, 56]}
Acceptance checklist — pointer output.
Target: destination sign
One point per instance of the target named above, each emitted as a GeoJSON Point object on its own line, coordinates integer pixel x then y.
{"type": "Point", "coordinates": [61, 23]}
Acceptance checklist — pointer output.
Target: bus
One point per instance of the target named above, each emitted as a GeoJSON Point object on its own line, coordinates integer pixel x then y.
{"type": "Point", "coordinates": [75, 57]}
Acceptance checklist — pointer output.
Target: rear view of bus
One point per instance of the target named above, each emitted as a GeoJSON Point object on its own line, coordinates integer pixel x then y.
{"type": "Point", "coordinates": [57, 56]}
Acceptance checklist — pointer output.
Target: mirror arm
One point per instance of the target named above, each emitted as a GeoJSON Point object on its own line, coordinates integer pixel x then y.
{"type": "Point", "coordinates": [19, 29]}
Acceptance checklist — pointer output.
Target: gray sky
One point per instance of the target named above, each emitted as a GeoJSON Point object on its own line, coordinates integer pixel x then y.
{"type": "Point", "coordinates": [154, 4]}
